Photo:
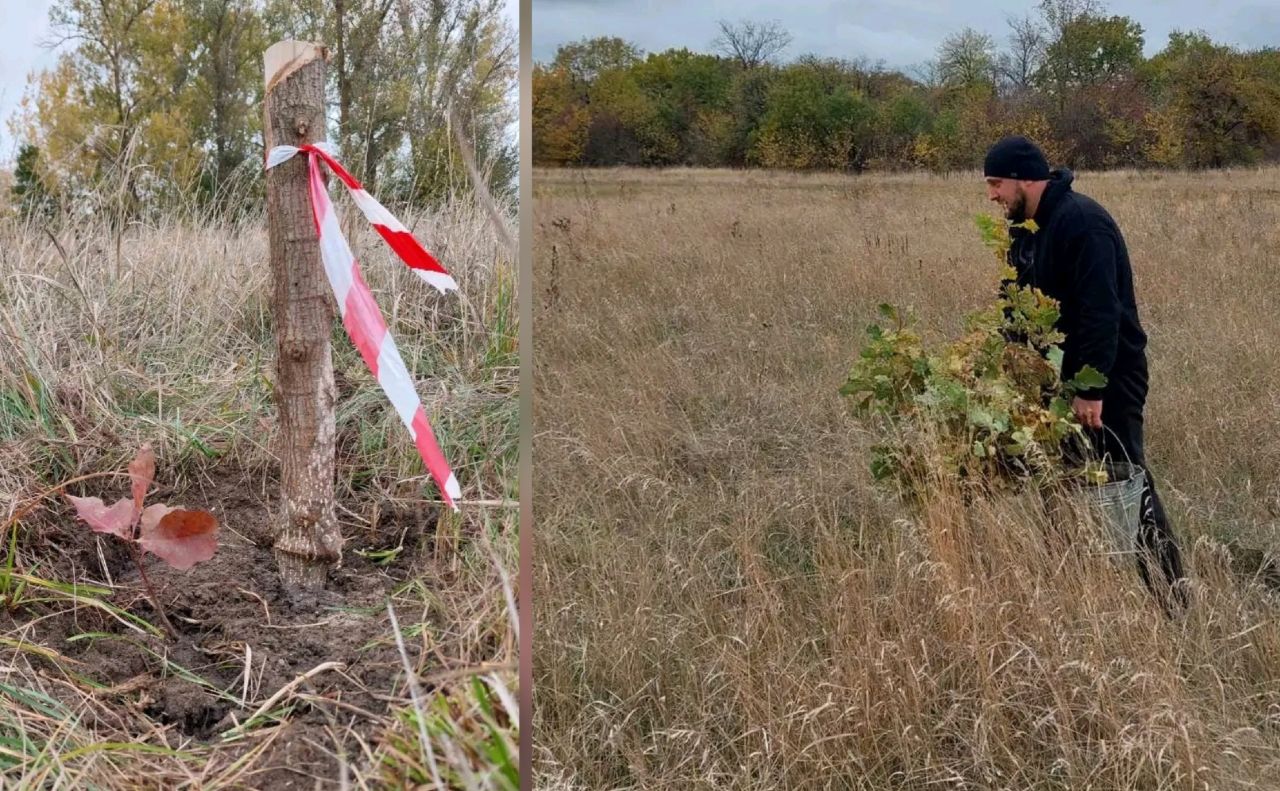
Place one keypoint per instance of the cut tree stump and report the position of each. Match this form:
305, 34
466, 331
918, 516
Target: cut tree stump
308, 541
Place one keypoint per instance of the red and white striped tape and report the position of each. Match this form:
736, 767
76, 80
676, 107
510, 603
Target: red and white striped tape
360, 314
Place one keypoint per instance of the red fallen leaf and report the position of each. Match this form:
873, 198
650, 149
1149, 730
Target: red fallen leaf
141, 472
151, 516
101, 518
181, 538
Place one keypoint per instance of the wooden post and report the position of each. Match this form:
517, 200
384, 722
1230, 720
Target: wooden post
308, 541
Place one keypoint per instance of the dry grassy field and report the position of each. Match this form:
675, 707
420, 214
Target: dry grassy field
723, 599
161, 332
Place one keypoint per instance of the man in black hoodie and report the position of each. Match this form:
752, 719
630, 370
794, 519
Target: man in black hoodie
1078, 257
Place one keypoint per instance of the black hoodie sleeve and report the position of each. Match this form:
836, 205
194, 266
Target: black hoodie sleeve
1097, 332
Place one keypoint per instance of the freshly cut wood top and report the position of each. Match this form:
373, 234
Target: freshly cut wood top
284, 57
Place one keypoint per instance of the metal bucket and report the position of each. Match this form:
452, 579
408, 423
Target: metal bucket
1119, 502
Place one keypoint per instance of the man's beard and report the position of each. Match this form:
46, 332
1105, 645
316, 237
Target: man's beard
1016, 209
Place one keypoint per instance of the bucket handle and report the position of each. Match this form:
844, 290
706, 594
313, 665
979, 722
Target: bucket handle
1123, 449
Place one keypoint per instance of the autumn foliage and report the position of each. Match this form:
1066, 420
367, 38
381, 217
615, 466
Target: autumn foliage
1074, 78
179, 537
990, 408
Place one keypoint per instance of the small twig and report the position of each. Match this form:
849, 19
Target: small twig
132, 685
290, 687
248, 673
155, 599
429, 501
316, 699
468, 672
325, 622
266, 610
102, 559
439, 677
482, 191
61, 251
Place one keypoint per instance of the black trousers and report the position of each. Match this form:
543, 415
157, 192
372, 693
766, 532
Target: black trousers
1159, 558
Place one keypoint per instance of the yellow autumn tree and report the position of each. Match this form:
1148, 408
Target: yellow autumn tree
559, 118
113, 117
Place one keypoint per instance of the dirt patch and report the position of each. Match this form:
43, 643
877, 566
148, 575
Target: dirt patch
188, 706
242, 636
302, 757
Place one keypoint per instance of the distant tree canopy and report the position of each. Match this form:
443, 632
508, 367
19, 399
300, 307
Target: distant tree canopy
1070, 75
159, 102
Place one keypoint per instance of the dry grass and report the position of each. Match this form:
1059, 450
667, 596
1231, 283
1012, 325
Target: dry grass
724, 600
162, 333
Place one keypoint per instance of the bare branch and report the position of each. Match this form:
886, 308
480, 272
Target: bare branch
966, 58
751, 44
1028, 41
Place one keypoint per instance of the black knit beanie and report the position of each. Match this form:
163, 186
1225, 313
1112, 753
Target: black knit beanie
1016, 158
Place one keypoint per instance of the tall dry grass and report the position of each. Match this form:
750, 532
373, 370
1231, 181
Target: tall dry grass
163, 332
723, 598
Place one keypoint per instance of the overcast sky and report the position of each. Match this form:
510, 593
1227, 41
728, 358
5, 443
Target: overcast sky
23, 25
902, 33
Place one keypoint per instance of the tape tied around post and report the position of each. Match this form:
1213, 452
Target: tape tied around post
360, 314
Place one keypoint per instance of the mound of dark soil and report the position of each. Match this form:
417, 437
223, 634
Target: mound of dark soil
242, 636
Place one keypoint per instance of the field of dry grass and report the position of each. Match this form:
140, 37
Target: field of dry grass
162, 333
723, 599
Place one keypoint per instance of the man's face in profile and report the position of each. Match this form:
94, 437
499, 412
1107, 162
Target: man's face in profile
1011, 196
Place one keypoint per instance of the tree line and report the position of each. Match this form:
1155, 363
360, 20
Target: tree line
154, 103
1068, 74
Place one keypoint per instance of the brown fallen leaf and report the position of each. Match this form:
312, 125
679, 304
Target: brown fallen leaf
182, 538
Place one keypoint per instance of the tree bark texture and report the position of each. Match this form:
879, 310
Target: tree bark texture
308, 542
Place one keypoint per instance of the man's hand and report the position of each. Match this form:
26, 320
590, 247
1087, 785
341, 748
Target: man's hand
1089, 413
